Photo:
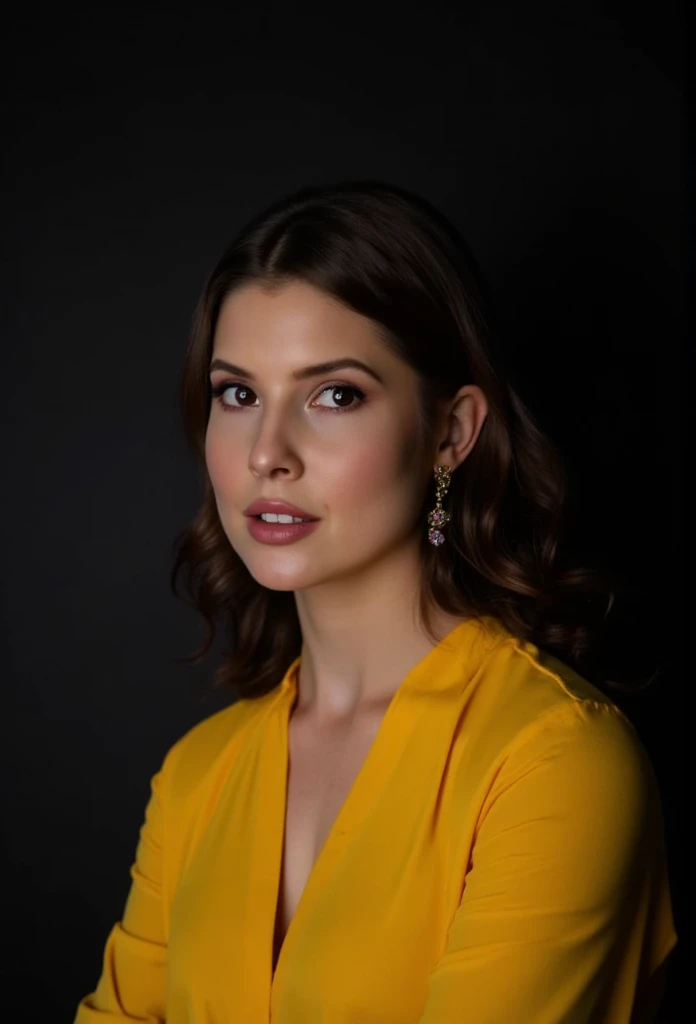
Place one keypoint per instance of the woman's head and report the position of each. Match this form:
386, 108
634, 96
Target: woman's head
366, 271
346, 445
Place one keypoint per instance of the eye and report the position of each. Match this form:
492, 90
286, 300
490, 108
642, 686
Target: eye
222, 393
344, 391
346, 396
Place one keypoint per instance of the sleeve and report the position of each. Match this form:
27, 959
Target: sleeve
566, 902
132, 982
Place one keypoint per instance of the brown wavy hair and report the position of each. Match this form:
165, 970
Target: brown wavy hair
392, 257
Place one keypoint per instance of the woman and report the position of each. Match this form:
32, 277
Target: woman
415, 811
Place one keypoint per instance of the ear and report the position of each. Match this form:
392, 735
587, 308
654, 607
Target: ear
463, 418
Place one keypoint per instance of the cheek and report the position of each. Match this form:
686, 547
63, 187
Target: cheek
220, 460
371, 474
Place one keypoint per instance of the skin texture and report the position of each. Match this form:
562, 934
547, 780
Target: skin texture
356, 466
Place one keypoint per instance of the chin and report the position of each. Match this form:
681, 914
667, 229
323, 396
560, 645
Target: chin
279, 572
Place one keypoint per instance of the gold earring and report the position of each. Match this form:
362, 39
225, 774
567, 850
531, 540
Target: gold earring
438, 516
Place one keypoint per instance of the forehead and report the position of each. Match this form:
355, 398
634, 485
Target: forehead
292, 312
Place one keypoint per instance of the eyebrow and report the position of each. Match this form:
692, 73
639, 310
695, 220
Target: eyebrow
308, 371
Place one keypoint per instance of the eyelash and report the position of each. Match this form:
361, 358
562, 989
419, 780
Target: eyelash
218, 391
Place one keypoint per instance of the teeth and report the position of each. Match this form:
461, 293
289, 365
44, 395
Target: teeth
271, 517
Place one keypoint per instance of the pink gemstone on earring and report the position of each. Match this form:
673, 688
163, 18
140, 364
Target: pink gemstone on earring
438, 517
435, 537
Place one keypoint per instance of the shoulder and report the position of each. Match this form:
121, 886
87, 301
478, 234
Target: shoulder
197, 754
534, 674
527, 686
550, 730
531, 706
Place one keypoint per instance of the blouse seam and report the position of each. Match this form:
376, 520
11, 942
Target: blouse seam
559, 712
556, 676
576, 698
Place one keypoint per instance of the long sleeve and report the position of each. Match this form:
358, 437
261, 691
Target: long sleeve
132, 982
564, 878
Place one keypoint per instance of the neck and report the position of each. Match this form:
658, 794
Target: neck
360, 639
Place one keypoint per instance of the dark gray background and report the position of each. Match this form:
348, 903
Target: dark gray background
140, 140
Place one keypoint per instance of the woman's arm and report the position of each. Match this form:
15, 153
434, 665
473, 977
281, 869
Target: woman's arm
132, 982
566, 901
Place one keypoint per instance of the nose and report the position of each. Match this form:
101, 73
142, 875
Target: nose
273, 452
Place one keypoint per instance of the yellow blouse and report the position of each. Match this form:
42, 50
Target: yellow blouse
499, 859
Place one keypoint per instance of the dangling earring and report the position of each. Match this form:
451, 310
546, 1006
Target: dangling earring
438, 516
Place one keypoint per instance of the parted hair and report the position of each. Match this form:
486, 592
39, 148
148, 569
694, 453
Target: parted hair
391, 256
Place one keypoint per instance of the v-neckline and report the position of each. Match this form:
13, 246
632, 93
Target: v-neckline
372, 771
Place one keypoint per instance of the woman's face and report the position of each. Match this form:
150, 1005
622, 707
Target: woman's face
339, 444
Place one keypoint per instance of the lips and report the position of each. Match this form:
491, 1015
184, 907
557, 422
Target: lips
283, 508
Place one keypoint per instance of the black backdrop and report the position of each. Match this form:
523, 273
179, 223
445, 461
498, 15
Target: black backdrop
140, 140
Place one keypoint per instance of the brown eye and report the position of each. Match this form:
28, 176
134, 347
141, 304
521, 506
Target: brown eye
231, 395
344, 396
224, 393
242, 394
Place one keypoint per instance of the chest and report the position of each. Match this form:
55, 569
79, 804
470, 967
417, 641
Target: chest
321, 772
